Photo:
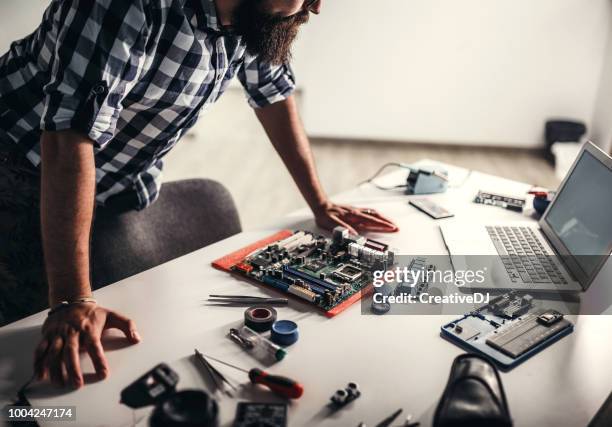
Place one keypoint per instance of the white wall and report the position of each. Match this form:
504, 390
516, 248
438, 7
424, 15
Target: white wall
602, 118
19, 18
470, 71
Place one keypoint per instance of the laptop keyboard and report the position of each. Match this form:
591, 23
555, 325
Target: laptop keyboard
524, 256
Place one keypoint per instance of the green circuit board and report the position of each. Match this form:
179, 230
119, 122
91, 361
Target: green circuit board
325, 272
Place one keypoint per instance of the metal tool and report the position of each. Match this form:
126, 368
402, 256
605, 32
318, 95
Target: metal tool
235, 336
234, 300
259, 346
389, 420
408, 422
218, 378
283, 386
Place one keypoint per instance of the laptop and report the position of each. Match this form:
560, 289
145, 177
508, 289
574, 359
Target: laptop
563, 252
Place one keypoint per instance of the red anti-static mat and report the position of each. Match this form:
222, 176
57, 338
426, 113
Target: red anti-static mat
228, 261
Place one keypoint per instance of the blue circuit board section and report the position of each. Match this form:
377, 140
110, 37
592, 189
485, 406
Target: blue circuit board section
509, 330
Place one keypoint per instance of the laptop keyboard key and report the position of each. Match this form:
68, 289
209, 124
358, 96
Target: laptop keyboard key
523, 255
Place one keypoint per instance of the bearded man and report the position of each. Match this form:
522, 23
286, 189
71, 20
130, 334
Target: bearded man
91, 102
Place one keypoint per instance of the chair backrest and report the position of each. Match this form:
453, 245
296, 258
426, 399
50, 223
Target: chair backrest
187, 216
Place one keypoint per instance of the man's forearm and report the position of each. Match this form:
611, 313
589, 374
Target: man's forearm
284, 128
67, 203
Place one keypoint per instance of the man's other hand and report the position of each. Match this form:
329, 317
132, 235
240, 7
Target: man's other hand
71, 329
355, 219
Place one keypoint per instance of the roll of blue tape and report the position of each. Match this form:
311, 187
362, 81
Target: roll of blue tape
284, 332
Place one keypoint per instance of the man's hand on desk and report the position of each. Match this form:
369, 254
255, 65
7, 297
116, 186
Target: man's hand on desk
355, 219
284, 127
75, 328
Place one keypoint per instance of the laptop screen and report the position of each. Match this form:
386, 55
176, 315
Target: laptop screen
581, 215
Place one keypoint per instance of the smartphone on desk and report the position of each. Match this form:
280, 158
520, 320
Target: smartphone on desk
430, 208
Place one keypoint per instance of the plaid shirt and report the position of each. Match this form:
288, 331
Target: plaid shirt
133, 76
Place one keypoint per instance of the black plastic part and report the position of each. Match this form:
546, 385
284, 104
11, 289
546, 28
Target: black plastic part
380, 308
604, 415
345, 396
187, 408
250, 414
155, 385
564, 131
474, 396
550, 318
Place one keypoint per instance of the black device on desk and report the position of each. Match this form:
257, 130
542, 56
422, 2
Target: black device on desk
155, 385
172, 408
251, 414
499, 200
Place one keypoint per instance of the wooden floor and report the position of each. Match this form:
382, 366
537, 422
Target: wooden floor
229, 146
359, 160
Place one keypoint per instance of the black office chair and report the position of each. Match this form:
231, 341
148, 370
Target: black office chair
187, 216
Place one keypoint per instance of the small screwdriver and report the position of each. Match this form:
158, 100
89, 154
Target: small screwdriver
283, 386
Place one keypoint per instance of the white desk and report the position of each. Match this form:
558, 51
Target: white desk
399, 361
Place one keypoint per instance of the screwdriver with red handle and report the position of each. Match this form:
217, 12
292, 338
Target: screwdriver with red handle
283, 386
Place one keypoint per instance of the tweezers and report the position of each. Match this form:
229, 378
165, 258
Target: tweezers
217, 377
229, 300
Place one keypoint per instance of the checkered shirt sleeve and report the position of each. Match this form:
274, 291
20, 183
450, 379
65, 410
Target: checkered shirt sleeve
265, 84
96, 50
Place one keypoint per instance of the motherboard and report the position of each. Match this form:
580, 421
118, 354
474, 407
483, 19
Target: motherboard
328, 273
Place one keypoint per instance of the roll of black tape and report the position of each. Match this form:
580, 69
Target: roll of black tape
260, 317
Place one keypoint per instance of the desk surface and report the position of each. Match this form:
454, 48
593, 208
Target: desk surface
399, 361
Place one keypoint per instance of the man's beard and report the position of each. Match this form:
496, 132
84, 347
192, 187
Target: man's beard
267, 36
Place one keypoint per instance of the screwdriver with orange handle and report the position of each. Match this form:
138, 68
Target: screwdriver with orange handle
283, 386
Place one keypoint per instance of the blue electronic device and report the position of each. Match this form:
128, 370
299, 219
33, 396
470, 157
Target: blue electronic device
508, 330
426, 180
